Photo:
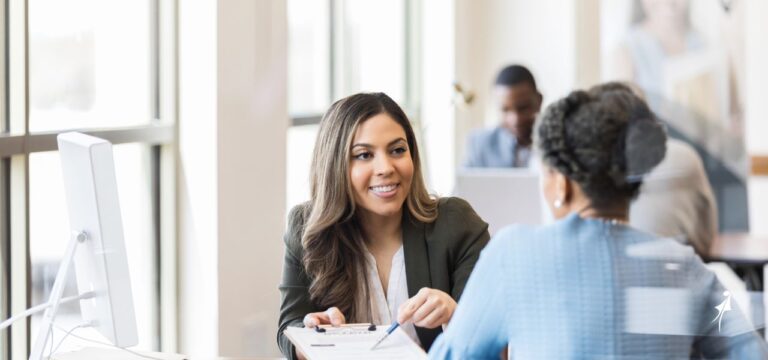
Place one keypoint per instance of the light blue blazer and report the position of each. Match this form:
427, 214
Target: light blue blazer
490, 148
590, 289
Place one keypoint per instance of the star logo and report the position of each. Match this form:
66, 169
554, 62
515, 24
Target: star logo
724, 307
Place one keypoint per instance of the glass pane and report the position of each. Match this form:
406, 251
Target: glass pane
301, 142
90, 64
373, 47
308, 56
49, 234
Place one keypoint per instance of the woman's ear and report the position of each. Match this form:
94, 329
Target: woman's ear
559, 193
563, 189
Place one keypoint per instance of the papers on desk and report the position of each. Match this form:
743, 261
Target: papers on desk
353, 342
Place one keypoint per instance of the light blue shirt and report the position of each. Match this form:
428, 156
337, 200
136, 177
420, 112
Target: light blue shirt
588, 289
495, 148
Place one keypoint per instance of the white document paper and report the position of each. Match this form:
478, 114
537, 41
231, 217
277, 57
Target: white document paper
354, 342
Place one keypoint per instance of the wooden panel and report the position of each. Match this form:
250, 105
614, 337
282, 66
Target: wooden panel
760, 165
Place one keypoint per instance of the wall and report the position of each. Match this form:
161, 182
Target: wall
197, 180
232, 136
491, 34
756, 107
253, 122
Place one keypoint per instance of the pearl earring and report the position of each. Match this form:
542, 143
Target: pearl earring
558, 203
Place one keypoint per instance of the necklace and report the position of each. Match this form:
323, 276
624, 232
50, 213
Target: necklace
613, 221
606, 218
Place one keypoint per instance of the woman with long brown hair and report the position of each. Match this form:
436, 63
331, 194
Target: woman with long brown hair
372, 245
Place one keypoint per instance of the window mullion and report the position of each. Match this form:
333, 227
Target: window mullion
332, 31
166, 170
18, 74
18, 124
19, 251
5, 258
3, 75
4, 235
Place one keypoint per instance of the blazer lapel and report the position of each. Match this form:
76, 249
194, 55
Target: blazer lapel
415, 254
417, 272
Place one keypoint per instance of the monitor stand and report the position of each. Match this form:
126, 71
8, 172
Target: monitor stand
56, 293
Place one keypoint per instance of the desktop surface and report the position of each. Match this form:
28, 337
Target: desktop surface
94, 353
741, 248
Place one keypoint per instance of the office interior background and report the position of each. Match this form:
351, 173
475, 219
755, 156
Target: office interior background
213, 106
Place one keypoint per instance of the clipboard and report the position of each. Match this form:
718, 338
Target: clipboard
353, 341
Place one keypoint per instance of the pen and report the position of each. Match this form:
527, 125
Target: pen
389, 331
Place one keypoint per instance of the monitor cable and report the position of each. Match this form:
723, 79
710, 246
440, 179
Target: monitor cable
70, 332
41, 307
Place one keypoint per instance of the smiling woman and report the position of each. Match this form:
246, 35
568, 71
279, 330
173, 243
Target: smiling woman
372, 245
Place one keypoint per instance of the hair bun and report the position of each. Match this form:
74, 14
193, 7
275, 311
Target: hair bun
645, 147
553, 137
573, 101
606, 140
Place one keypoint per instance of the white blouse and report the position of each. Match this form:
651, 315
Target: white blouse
384, 307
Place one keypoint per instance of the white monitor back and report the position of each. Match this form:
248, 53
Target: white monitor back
503, 196
101, 263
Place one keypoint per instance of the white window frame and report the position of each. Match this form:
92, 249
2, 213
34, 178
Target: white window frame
412, 58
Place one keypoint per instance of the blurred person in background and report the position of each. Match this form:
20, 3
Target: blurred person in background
509, 143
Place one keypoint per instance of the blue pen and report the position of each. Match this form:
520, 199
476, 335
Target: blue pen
389, 331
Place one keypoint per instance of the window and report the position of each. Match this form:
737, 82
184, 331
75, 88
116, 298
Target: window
372, 48
338, 48
309, 60
104, 68
89, 64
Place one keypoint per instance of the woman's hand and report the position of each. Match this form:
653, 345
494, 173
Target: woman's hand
332, 316
430, 308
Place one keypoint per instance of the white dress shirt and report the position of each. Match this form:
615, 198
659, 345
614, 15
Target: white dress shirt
384, 306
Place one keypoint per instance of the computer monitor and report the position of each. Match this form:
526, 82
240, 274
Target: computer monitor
503, 196
97, 246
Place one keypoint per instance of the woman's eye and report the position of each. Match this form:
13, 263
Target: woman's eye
363, 156
399, 151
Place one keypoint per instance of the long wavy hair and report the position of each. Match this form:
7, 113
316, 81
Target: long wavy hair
333, 240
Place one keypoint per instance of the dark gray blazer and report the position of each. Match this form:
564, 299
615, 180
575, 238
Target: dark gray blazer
439, 255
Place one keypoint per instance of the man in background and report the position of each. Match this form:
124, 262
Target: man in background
508, 144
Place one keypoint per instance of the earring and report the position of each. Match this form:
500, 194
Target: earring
558, 203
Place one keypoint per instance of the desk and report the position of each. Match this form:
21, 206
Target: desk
241, 358
745, 253
98, 353
740, 248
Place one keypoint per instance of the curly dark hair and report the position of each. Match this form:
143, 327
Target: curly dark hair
605, 139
